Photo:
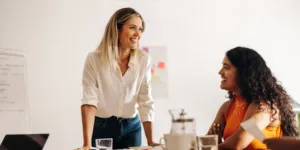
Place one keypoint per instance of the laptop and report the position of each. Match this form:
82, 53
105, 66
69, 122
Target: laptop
24, 141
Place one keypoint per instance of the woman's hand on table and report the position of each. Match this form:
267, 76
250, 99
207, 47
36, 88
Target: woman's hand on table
153, 144
84, 148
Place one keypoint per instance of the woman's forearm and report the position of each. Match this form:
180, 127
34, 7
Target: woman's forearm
148, 131
240, 139
88, 113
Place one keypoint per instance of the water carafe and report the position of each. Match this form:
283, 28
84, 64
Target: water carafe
181, 124
183, 132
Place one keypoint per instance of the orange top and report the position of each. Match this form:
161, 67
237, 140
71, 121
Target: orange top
235, 114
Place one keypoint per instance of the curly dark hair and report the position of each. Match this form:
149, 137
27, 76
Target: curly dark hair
256, 81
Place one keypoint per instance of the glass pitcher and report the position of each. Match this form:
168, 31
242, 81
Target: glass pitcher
181, 124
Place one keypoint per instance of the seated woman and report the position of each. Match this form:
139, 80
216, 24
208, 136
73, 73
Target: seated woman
254, 93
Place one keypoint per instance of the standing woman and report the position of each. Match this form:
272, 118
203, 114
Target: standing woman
116, 85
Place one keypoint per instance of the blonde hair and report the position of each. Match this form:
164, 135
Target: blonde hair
108, 47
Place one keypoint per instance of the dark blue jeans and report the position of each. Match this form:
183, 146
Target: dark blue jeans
125, 132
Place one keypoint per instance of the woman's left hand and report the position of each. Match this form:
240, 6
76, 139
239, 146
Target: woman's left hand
286, 143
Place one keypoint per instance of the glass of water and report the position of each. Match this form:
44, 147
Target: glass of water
208, 142
104, 144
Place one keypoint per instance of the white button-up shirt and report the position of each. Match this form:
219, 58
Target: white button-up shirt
117, 95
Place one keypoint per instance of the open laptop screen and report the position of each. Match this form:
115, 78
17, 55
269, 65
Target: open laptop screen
24, 141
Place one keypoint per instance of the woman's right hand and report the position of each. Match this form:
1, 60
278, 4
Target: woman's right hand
216, 129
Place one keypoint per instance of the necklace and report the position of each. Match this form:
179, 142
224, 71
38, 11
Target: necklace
241, 104
239, 108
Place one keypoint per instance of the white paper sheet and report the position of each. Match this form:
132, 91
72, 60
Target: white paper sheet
13, 91
251, 127
14, 103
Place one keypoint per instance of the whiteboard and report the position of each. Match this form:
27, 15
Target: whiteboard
14, 105
159, 70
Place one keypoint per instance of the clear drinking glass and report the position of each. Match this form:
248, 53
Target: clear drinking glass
104, 144
208, 142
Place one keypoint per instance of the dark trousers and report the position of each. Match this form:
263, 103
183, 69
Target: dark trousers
125, 132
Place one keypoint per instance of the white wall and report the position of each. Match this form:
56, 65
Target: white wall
57, 35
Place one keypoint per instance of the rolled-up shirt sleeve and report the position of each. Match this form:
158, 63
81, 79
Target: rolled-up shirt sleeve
89, 83
145, 100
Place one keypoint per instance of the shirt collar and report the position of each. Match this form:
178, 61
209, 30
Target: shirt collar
133, 58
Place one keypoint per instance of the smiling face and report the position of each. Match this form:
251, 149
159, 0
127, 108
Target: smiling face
228, 74
130, 33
